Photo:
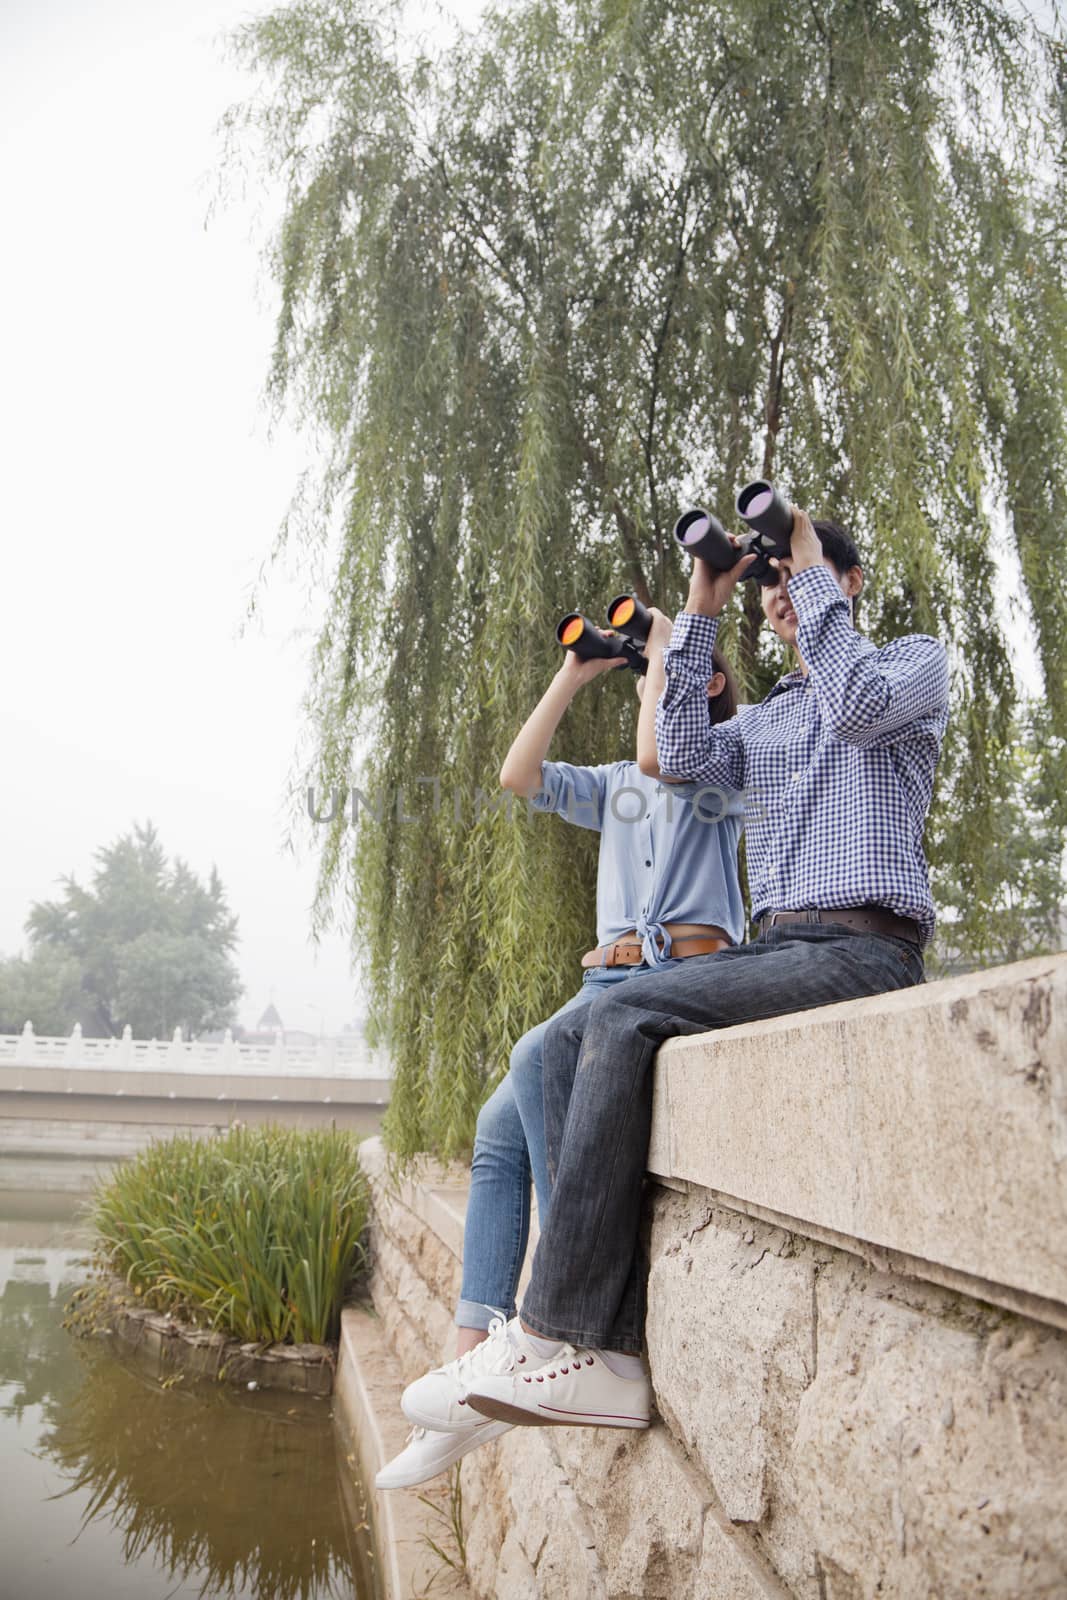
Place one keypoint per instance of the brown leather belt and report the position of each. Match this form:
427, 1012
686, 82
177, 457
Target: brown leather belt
627, 952
861, 919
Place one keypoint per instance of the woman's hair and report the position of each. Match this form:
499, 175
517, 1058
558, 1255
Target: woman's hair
723, 706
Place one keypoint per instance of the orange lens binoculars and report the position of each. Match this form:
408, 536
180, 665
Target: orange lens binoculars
631, 622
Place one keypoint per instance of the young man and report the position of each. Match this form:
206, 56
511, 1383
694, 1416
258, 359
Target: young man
667, 891
840, 760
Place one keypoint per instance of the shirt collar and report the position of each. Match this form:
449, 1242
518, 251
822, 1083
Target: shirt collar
792, 680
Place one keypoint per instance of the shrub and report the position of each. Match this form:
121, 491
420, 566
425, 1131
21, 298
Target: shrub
257, 1233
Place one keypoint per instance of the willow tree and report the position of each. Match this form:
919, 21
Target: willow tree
544, 288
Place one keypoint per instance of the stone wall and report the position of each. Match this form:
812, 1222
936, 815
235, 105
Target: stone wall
840, 1415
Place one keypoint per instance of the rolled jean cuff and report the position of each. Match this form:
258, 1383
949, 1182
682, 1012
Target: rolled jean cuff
472, 1314
584, 1338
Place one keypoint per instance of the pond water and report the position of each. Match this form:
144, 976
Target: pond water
116, 1488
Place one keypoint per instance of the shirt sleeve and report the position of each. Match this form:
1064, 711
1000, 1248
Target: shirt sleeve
577, 794
866, 695
687, 744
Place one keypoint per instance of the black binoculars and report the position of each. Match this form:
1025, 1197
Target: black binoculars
769, 518
631, 621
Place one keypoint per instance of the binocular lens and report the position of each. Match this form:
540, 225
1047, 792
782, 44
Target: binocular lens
759, 502
571, 631
620, 614
695, 531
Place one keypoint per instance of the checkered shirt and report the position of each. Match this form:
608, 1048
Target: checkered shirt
837, 766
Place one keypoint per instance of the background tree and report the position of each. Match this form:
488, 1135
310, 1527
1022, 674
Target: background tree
1022, 855
147, 945
44, 988
602, 258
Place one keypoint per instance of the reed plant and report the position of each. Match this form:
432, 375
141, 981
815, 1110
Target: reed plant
257, 1233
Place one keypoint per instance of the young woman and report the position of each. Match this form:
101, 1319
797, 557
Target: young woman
667, 888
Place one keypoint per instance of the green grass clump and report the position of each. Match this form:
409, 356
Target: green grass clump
257, 1233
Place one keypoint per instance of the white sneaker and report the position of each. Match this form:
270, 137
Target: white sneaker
439, 1400
426, 1454
574, 1389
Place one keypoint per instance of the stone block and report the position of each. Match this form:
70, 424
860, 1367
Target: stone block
931, 1449
410, 1291
729, 1335
515, 1574
654, 1532
486, 1518
517, 1489
434, 1262
931, 1121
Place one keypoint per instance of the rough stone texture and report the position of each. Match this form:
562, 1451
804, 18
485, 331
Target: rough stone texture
435, 1264
931, 1450
661, 1526
857, 1419
427, 1316
526, 1524
515, 1574
932, 1120
725, 1380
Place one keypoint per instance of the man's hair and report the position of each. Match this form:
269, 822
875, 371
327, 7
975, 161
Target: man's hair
723, 706
839, 545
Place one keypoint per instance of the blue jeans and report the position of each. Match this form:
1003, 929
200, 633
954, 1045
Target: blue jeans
508, 1146
588, 1283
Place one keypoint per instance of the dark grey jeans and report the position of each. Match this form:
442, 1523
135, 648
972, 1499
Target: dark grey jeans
588, 1283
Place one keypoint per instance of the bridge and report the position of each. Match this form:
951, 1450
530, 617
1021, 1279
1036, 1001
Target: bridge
106, 1098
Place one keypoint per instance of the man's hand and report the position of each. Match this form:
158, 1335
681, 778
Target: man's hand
804, 547
710, 591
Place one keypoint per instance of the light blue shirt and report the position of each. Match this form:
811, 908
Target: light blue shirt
668, 852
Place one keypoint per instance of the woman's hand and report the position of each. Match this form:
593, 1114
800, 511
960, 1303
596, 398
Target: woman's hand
659, 634
575, 672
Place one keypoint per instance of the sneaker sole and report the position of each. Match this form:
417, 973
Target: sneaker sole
411, 1480
501, 1411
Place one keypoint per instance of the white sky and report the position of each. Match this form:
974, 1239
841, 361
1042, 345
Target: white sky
141, 492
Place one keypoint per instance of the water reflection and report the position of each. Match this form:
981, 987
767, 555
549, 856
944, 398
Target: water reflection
118, 1489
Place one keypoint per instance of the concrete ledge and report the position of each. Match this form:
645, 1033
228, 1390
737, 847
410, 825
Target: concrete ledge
41, 1123
931, 1122
161, 1084
366, 1407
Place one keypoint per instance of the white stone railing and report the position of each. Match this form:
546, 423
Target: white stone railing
327, 1058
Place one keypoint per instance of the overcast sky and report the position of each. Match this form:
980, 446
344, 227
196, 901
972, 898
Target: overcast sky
140, 489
